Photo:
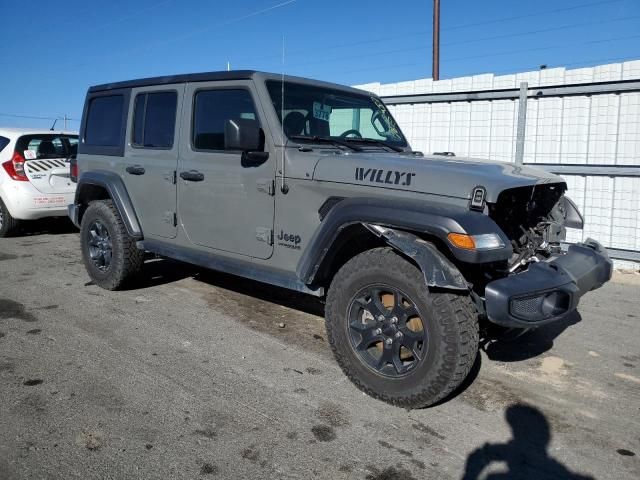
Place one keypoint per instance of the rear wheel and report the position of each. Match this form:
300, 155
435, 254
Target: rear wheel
8, 224
110, 255
393, 338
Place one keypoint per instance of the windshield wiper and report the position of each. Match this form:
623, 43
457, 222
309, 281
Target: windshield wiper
375, 141
330, 140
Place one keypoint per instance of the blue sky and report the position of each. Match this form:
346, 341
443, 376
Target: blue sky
50, 52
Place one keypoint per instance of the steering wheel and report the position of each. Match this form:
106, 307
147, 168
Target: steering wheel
354, 132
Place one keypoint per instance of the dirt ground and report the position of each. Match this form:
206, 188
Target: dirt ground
190, 375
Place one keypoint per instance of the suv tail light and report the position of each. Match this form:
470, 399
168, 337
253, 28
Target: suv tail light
15, 167
73, 169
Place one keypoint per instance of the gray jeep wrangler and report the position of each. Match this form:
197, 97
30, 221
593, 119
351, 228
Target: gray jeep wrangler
312, 187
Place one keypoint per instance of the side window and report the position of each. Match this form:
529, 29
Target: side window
212, 108
4, 141
154, 119
104, 121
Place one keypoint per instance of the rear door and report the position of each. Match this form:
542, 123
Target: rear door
47, 161
151, 154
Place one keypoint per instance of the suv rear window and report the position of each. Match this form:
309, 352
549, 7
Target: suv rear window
104, 121
43, 145
154, 119
4, 141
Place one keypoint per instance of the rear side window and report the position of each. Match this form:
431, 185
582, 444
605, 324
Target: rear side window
4, 141
154, 120
104, 121
212, 109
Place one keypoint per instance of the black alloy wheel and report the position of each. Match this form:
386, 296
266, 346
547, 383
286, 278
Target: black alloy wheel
386, 330
100, 246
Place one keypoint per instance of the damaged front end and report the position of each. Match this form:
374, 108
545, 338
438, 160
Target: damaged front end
542, 283
534, 218
537, 282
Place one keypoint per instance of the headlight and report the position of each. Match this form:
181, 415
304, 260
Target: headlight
486, 241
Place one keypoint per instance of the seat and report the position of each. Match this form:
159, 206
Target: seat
294, 123
46, 148
319, 127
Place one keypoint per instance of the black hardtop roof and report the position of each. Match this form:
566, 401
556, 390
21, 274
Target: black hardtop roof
167, 79
213, 76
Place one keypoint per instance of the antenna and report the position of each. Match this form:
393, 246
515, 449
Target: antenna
283, 188
54, 125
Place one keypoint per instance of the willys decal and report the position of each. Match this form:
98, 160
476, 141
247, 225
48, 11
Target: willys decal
376, 175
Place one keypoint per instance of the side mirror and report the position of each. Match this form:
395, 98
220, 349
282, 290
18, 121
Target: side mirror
243, 134
246, 135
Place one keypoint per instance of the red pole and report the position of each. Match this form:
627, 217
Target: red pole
436, 40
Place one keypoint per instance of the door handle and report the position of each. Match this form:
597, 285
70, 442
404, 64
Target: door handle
135, 170
192, 176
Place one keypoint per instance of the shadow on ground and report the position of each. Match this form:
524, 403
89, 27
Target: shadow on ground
517, 345
45, 226
160, 271
525, 456
292, 317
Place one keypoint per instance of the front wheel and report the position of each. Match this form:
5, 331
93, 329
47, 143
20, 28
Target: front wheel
392, 337
110, 255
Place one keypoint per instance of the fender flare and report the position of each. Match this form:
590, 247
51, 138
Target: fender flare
422, 216
437, 269
117, 191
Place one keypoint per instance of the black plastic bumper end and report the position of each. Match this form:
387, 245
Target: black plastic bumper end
548, 291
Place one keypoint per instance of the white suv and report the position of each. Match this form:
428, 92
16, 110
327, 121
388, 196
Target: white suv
34, 175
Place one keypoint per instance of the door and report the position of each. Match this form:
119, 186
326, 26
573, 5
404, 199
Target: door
222, 204
151, 156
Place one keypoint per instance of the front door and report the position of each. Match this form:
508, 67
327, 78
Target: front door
151, 156
223, 204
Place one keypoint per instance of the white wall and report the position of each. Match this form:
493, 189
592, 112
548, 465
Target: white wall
598, 129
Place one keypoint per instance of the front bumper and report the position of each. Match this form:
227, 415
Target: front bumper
549, 290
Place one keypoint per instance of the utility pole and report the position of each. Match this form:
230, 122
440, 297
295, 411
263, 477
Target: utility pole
436, 40
65, 122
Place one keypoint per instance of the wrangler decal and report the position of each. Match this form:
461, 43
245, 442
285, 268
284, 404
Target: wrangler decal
391, 177
289, 240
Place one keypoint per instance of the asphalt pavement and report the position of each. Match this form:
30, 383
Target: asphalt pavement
196, 374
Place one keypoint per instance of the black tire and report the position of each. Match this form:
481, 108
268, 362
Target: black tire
126, 259
449, 331
8, 224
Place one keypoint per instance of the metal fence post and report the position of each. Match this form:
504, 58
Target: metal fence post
522, 122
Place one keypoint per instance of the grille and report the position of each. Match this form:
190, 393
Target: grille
39, 166
529, 308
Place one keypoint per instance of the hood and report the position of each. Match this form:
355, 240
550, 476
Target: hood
438, 175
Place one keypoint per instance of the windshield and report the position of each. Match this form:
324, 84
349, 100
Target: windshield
312, 111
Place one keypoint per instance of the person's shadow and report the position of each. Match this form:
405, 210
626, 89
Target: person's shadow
525, 455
